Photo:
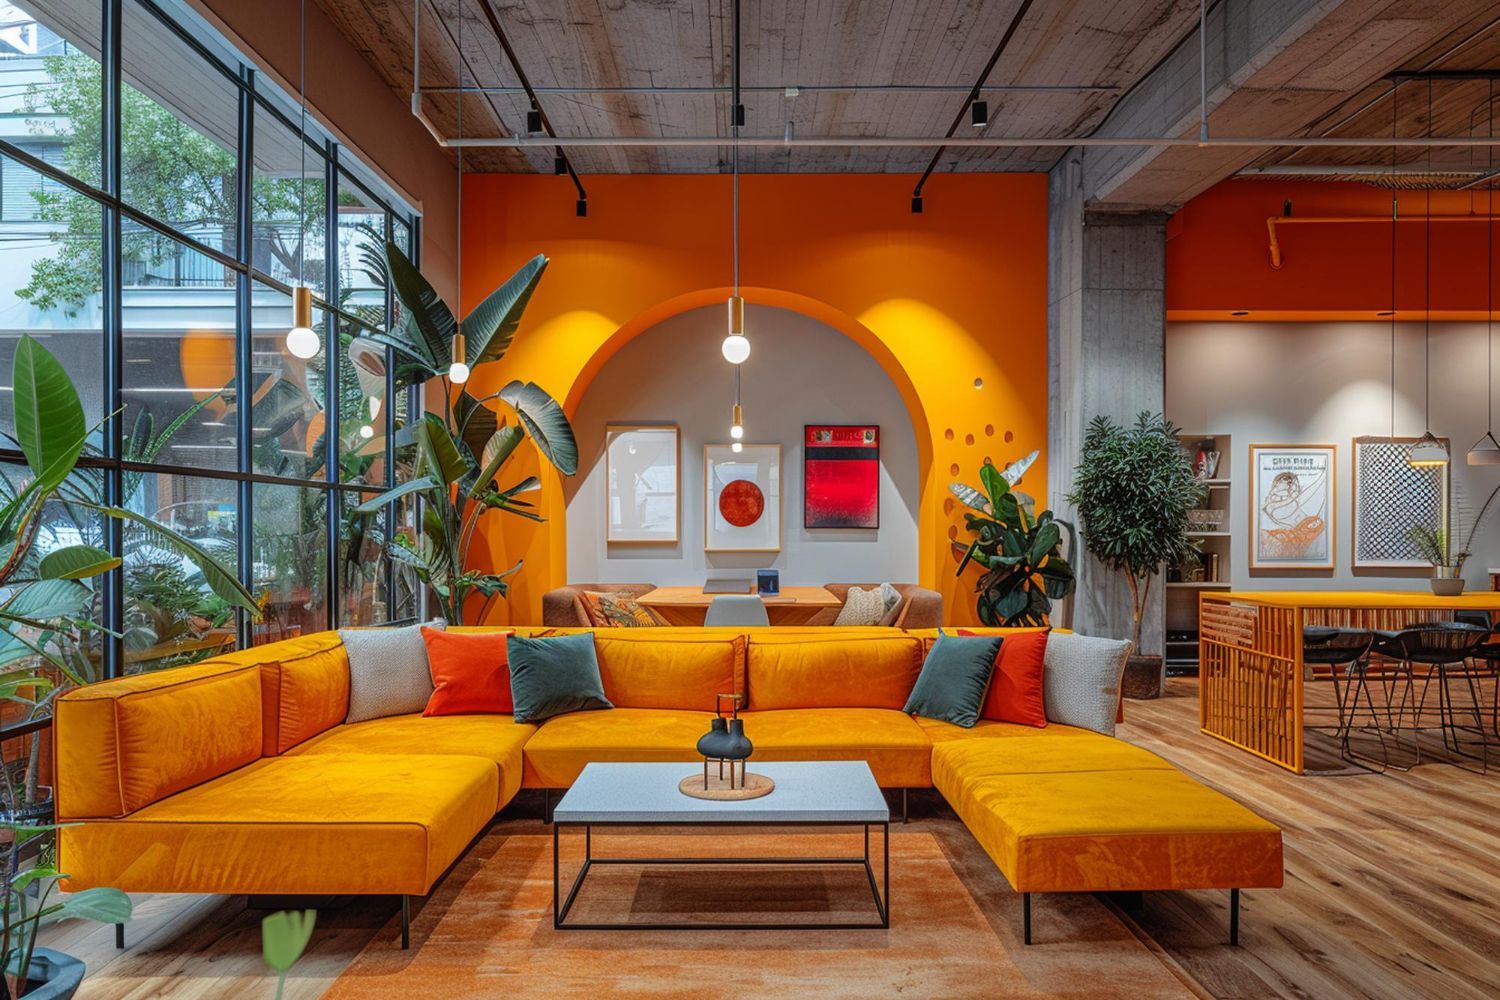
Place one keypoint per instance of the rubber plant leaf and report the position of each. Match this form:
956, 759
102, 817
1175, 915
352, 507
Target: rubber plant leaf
49, 420
489, 329
995, 485
428, 325
546, 423
76, 562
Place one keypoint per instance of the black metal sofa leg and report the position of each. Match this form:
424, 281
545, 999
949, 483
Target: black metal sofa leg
1026, 917
120, 936
1234, 918
405, 923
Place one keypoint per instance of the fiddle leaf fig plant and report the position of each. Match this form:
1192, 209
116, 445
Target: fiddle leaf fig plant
1020, 550
462, 450
1133, 489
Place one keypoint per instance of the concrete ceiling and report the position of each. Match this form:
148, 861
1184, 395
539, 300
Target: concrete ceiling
1276, 67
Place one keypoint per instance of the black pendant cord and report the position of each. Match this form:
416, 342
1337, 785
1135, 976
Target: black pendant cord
302, 149
458, 321
1427, 294
1489, 312
1395, 214
735, 118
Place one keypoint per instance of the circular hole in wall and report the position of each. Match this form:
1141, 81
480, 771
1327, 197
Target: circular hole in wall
953, 469
952, 531
948, 506
989, 430
988, 460
968, 439
1010, 436
979, 383
948, 434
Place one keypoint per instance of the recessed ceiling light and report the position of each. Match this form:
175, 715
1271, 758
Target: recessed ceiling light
1240, 312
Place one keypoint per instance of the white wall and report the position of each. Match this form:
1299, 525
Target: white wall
1327, 383
800, 372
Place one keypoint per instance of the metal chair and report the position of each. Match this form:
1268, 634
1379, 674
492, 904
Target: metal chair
736, 609
1348, 649
1445, 648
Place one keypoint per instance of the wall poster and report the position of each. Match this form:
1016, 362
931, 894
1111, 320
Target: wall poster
1292, 506
840, 476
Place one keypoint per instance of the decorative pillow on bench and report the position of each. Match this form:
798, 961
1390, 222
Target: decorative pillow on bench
954, 679
1082, 680
554, 676
606, 610
1017, 690
470, 672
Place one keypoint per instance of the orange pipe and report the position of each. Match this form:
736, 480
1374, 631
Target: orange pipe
1284, 220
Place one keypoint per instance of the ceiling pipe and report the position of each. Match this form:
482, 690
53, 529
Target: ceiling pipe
1343, 220
975, 142
510, 53
963, 111
817, 88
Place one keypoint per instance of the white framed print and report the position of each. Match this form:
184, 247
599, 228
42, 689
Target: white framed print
1392, 496
742, 498
1292, 491
643, 485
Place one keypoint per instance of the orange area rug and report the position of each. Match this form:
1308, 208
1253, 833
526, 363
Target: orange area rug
955, 926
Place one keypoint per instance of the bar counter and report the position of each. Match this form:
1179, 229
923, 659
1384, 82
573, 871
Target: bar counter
1251, 675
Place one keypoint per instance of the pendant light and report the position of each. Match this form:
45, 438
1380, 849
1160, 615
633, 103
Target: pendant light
736, 346
1428, 452
1486, 450
302, 340
458, 368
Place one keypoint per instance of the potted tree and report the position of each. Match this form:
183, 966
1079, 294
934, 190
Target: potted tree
1133, 489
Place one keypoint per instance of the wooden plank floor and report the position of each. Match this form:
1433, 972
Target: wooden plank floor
1392, 890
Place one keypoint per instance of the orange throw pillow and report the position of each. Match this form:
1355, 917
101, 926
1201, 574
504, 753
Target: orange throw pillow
1015, 693
470, 673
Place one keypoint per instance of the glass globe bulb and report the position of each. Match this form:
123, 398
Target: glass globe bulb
736, 447
302, 342
458, 372
736, 432
736, 348
366, 432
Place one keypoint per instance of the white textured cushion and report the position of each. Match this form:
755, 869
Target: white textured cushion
862, 607
1081, 680
388, 672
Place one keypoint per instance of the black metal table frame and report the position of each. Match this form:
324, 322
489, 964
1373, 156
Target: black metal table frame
561, 906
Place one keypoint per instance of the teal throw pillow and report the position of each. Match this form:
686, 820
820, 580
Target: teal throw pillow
554, 676
954, 679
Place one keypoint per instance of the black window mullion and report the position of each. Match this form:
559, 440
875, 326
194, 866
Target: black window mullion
388, 407
331, 376
244, 518
113, 585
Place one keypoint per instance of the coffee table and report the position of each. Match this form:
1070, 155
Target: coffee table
807, 793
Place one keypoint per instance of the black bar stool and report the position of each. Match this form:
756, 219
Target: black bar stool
1347, 650
1445, 648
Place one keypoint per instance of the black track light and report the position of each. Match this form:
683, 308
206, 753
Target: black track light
916, 205
979, 114
737, 116
559, 165
582, 208
533, 120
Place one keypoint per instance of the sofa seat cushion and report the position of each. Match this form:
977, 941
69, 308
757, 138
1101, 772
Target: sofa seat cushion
957, 761
309, 823
895, 747
1105, 827
498, 738
565, 743
939, 731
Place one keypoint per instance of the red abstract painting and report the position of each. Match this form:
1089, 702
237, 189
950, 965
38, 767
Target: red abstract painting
841, 476
742, 503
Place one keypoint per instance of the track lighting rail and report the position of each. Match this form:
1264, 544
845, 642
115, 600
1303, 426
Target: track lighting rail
978, 142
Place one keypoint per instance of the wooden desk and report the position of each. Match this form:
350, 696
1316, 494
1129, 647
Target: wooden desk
1251, 676
689, 605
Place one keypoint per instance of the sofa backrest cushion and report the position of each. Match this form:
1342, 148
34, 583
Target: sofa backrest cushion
388, 671
124, 744
652, 669
853, 670
303, 692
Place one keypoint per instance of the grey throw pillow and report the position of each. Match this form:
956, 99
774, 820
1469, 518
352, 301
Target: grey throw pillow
388, 672
862, 607
553, 676
892, 599
1081, 680
954, 679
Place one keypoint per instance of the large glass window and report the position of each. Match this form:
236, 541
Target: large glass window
222, 436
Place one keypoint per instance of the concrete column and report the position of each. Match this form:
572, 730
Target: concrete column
1106, 329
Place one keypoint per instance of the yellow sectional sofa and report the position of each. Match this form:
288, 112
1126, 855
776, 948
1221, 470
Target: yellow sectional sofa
239, 775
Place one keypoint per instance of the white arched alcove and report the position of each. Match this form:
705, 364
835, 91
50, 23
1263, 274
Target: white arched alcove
800, 372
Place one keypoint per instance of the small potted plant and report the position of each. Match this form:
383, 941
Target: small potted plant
1449, 547
1133, 489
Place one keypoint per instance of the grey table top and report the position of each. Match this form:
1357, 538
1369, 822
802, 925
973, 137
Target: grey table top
832, 791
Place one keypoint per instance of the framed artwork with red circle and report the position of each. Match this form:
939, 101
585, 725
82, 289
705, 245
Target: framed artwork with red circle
742, 498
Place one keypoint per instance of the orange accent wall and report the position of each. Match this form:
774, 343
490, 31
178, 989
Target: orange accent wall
939, 300
1218, 258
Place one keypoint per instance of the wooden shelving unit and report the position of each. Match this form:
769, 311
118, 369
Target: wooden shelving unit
1181, 639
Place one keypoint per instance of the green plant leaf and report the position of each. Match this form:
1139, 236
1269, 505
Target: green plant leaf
489, 329
76, 562
49, 418
220, 580
107, 906
284, 936
440, 450
995, 485
1015, 470
970, 496
1044, 541
496, 451
428, 324
411, 486
50, 599
546, 423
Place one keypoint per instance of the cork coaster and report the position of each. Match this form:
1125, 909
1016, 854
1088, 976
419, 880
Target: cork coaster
718, 790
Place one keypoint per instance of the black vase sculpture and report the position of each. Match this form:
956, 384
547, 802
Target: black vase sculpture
726, 743
714, 743
738, 746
